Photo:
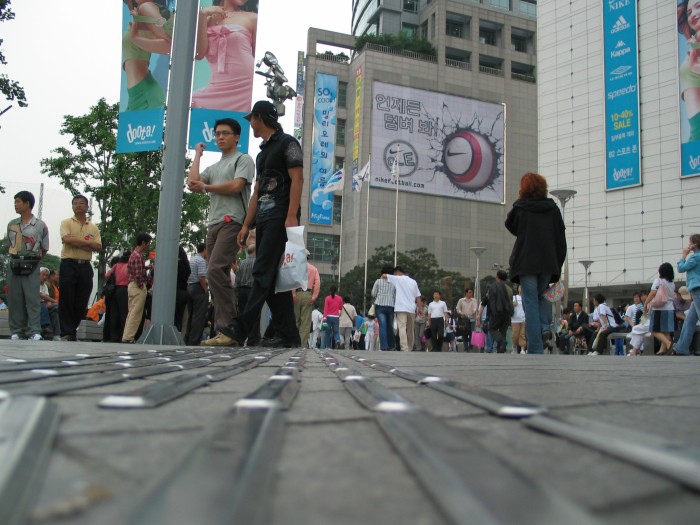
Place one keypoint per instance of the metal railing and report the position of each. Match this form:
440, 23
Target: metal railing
491, 71
461, 64
333, 58
524, 78
399, 52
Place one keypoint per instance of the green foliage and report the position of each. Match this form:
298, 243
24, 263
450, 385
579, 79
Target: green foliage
402, 41
420, 264
9, 88
125, 188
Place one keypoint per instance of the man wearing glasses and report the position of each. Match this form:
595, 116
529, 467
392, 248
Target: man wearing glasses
228, 183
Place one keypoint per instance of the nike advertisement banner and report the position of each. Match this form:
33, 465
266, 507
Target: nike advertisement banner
444, 145
623, 167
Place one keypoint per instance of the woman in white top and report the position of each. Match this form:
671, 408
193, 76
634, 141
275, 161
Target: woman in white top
661, 319
517, 321
437, 311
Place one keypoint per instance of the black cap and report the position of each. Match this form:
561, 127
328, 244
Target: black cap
263, 107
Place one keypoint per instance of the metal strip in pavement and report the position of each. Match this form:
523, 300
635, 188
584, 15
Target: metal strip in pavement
469, 484
28, 426
157, 394
225, 478
493, 402
671, 460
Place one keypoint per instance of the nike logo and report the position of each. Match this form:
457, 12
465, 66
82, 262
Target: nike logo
453, 153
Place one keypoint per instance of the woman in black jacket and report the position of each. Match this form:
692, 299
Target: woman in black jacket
538, 255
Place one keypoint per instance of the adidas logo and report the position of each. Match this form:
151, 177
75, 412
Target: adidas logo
620, 25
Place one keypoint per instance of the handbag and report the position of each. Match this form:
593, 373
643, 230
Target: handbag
372, 311
661, 297
478, 339
293, 269
555, 292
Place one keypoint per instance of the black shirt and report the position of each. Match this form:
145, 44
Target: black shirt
280, 153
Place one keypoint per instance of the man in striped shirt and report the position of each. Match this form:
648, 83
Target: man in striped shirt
198, 295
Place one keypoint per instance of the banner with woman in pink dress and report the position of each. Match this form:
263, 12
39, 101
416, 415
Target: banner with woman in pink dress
223, 74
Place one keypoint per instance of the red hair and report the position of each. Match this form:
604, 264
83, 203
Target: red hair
533, 186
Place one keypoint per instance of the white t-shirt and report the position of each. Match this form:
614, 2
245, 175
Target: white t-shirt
604, 310
406, 293
671, 288
437, 309
518, 312
316, 319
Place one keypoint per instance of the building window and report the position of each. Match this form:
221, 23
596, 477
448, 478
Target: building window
457, 25
337, 209
487, 36
424, 30
340, 132
491, 65
432, 25
323, 247
524, 72
410, 30
339, 162
500, 4
342, 94
410, 6
518, 43
528, 7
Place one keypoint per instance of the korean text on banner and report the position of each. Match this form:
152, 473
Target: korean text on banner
323, 157
146, 40
224, 71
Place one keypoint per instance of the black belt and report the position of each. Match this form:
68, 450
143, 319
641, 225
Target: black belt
301, 290
77, 261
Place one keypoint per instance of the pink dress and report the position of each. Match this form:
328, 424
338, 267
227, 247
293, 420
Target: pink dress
230, 57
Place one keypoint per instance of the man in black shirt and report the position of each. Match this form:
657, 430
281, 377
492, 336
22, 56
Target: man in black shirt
274, 206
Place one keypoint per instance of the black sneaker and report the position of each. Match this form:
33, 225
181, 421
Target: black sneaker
546, 336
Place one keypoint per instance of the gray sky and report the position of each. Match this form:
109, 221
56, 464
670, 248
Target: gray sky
67, 56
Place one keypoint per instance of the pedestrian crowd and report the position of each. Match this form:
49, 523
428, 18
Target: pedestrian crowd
220, 300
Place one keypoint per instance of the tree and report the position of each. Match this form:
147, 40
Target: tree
403, 41
9, 88
125, 187
420, 264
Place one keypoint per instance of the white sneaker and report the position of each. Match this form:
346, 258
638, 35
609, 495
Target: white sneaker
36, 337
56, 338
523, 352
594, 352
14, 337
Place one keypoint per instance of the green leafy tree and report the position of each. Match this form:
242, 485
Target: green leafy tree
420, 264
125, 188
11, 89
402, 41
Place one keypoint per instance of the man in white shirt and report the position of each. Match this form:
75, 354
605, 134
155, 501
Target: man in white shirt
316, 322
407, 298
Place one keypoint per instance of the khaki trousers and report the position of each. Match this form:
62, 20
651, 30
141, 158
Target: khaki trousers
137, 300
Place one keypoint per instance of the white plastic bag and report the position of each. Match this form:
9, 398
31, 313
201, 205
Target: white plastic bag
292, 273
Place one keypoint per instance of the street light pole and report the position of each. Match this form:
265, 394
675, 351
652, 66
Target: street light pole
586, 265
478, 250
564, 196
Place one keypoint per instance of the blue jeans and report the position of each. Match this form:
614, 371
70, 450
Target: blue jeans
538, 311
688, 330
332, 332
385, 315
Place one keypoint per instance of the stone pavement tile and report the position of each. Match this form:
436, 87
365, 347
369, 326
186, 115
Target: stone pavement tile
320, 384
325, 407
676, 507
435, 402
82, 416
587, 477
346, 474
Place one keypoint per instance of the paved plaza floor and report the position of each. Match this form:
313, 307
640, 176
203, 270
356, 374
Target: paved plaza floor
185, 435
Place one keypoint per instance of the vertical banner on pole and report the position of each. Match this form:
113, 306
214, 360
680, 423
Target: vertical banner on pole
323, 148
689, 86
623, 158
223, 74
358, 118
299, 103
147, 30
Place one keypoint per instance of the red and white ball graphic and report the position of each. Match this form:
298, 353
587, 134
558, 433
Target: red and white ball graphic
469, 160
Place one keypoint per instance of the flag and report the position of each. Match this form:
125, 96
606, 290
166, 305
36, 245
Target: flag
359, 178
335, 182
395, 166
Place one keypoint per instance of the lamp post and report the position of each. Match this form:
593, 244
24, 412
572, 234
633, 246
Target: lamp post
478, 250
586, 265
564, 196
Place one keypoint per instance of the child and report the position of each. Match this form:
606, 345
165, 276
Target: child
370, 326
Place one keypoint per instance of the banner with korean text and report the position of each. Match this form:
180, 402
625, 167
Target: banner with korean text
222, 86
444, 145
622, 155
299, 102
689, 88
147, 30
323, 148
